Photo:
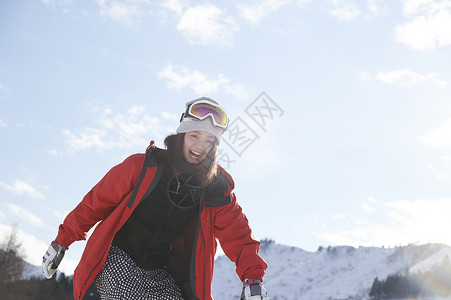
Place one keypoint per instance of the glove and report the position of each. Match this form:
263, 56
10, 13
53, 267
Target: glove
253, 289
52, 258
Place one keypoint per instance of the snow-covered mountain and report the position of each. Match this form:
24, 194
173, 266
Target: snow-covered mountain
332, 273
32, 271
35, 271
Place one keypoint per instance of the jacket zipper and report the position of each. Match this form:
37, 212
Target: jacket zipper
194, 252
111, 240
205, 251
92, 270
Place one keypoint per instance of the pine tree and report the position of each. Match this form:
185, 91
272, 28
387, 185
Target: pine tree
11, 263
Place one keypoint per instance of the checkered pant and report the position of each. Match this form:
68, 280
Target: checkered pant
121, 278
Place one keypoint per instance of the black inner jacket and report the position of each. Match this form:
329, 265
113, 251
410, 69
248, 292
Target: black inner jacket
160, 218
141, 235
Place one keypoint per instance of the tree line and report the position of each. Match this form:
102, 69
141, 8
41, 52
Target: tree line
14, 284
435, 282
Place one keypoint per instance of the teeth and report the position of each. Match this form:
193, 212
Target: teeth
196, 154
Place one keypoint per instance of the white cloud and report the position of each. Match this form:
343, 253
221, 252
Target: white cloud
421, 221
170, 116
178, 78
344, 237
372, 200
120, 130
89, 138
32, 248
376, 8
409, 78
428, 25
207, 24
3, 124
20, 187
339, 216
3, 89
440, 176
126, 13
3, 92
439, 137
136, 109
55, 152
253, 13
202, 24
367, 208
176, 6
238, 90
345, 11
25, 215
411, 7
363, 76
253, 158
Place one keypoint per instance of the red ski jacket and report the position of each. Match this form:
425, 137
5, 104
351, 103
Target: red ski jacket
113, 199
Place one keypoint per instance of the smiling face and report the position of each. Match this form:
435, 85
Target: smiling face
196, 145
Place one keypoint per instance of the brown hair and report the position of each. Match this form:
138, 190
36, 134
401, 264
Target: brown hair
207, 167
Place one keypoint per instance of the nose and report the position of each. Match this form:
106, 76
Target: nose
202, 145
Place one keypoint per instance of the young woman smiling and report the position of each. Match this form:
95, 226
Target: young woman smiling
160, 215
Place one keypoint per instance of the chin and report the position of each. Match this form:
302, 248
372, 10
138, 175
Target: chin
192, 160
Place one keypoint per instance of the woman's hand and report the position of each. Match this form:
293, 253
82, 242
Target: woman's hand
253, 289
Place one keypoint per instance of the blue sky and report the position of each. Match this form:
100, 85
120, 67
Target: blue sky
355, 148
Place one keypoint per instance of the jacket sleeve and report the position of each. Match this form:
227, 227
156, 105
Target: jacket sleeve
101, 200
236, 238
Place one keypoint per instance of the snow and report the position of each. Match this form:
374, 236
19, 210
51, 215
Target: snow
32, 271
35, 271
332, 273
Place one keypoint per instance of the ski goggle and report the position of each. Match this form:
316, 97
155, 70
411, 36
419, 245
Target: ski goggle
202, 109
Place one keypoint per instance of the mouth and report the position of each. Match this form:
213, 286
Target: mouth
195, 154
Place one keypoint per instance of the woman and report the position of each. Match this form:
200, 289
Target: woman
160, 214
